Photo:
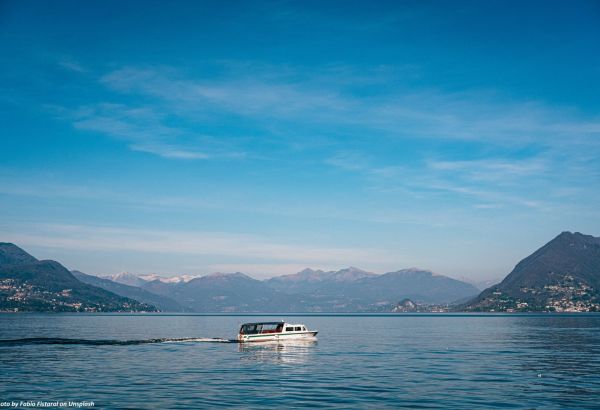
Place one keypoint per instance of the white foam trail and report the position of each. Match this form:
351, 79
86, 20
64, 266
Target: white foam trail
199, 339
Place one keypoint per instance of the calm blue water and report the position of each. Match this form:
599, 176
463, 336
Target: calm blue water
418, 361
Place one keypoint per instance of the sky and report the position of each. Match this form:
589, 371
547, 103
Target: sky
269, 136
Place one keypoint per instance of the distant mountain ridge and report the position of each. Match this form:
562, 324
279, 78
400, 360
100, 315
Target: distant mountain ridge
317, 281
125, 278
133, 292
361, 288
347, 274
345, 290
131, 279
563, 275
234, 292
27, 284
418, 285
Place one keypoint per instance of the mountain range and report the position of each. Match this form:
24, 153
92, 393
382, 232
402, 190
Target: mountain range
563, 275
127, 278
28, 284
345, 290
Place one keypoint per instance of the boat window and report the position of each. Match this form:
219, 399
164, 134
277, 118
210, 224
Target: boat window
289, 329
272, 328
250, 329
298, 328
303, 327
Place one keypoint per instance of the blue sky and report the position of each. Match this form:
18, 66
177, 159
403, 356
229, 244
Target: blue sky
264, 137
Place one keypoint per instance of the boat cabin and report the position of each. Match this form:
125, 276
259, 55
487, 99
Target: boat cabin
270, 327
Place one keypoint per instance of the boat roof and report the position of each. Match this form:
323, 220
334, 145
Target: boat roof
264, 323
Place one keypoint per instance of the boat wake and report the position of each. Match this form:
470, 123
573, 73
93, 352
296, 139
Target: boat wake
107, 342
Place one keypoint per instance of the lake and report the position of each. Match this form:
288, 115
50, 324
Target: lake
360, 361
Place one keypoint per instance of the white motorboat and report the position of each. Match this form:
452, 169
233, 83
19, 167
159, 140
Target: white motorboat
274, 331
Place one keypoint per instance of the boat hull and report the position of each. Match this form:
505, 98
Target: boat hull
276, 337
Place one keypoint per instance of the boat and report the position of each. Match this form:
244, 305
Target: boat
274, 332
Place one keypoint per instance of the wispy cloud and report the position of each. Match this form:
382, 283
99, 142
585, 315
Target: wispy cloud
395, 110
168, 151
494, 169
71, 65
253, 94
517, 167
82, 195
142, 128
251, 249
282, 105
349, 161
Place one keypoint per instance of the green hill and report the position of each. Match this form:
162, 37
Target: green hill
27, 284
563, 275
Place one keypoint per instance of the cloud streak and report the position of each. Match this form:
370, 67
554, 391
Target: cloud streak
252, 249
142, 128
239, 108
397, 109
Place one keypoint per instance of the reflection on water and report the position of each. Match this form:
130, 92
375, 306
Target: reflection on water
280, 352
